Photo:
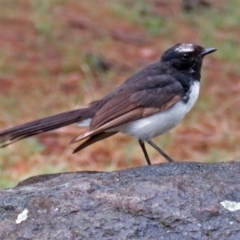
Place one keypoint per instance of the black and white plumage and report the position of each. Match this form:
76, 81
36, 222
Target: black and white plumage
146, 105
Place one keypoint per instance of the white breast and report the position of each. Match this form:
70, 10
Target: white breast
157, 124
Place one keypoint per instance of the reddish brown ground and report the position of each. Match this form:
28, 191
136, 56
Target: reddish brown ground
45, 68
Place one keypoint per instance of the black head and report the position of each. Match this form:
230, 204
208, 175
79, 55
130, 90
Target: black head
186, 57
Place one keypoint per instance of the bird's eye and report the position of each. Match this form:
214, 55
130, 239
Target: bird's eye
185, 57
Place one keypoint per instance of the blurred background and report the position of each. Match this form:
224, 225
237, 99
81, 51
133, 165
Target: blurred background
58, 55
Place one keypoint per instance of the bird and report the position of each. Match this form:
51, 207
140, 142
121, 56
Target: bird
146, 105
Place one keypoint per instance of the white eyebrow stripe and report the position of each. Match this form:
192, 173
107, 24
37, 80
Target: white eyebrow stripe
188, 47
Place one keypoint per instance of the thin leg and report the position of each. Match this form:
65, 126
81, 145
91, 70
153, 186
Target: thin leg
142, 145
160, 151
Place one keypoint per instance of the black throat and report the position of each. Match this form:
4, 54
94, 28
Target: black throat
186, 81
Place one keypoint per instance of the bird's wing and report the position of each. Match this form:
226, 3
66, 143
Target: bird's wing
93, 139
155, 95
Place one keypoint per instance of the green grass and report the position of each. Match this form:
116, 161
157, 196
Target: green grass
142, 14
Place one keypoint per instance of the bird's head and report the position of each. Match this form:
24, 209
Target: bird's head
186, 57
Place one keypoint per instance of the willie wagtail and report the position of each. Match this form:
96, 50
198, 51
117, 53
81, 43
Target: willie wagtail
146, 105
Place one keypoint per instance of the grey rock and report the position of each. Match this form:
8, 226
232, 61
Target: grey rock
166, 201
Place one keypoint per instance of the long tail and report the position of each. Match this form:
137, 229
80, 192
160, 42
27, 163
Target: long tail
29, 129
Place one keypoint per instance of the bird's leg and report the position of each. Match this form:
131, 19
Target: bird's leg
142, 145
160, 150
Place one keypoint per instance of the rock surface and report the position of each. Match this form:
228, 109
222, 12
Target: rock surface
167, 201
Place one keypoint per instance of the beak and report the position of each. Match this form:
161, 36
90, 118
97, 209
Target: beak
207, 51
